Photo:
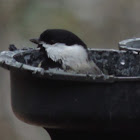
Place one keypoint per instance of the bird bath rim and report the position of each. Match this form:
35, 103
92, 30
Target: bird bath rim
132, 44
7, 61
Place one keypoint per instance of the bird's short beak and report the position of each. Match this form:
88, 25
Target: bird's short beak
35, 40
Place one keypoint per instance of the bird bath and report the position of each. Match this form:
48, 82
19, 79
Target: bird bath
77, 106
130, 44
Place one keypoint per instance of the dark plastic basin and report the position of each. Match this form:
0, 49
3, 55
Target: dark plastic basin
56, 99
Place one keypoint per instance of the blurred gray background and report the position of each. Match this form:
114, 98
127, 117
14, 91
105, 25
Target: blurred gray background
99, 23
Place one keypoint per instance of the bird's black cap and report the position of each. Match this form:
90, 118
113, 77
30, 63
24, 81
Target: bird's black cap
52, 36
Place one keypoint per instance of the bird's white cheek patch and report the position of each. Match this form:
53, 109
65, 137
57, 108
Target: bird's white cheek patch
72, 56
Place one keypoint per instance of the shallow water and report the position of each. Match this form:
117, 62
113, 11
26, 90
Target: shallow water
118, 63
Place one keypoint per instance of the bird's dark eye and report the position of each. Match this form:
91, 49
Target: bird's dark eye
52, 42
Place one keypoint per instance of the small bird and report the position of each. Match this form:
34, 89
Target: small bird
67, 51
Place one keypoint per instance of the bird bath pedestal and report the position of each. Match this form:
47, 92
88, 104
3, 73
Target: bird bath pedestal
77, 106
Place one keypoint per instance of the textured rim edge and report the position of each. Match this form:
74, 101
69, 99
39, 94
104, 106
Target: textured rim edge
8, 62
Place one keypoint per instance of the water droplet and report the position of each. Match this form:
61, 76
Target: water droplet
122, 62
